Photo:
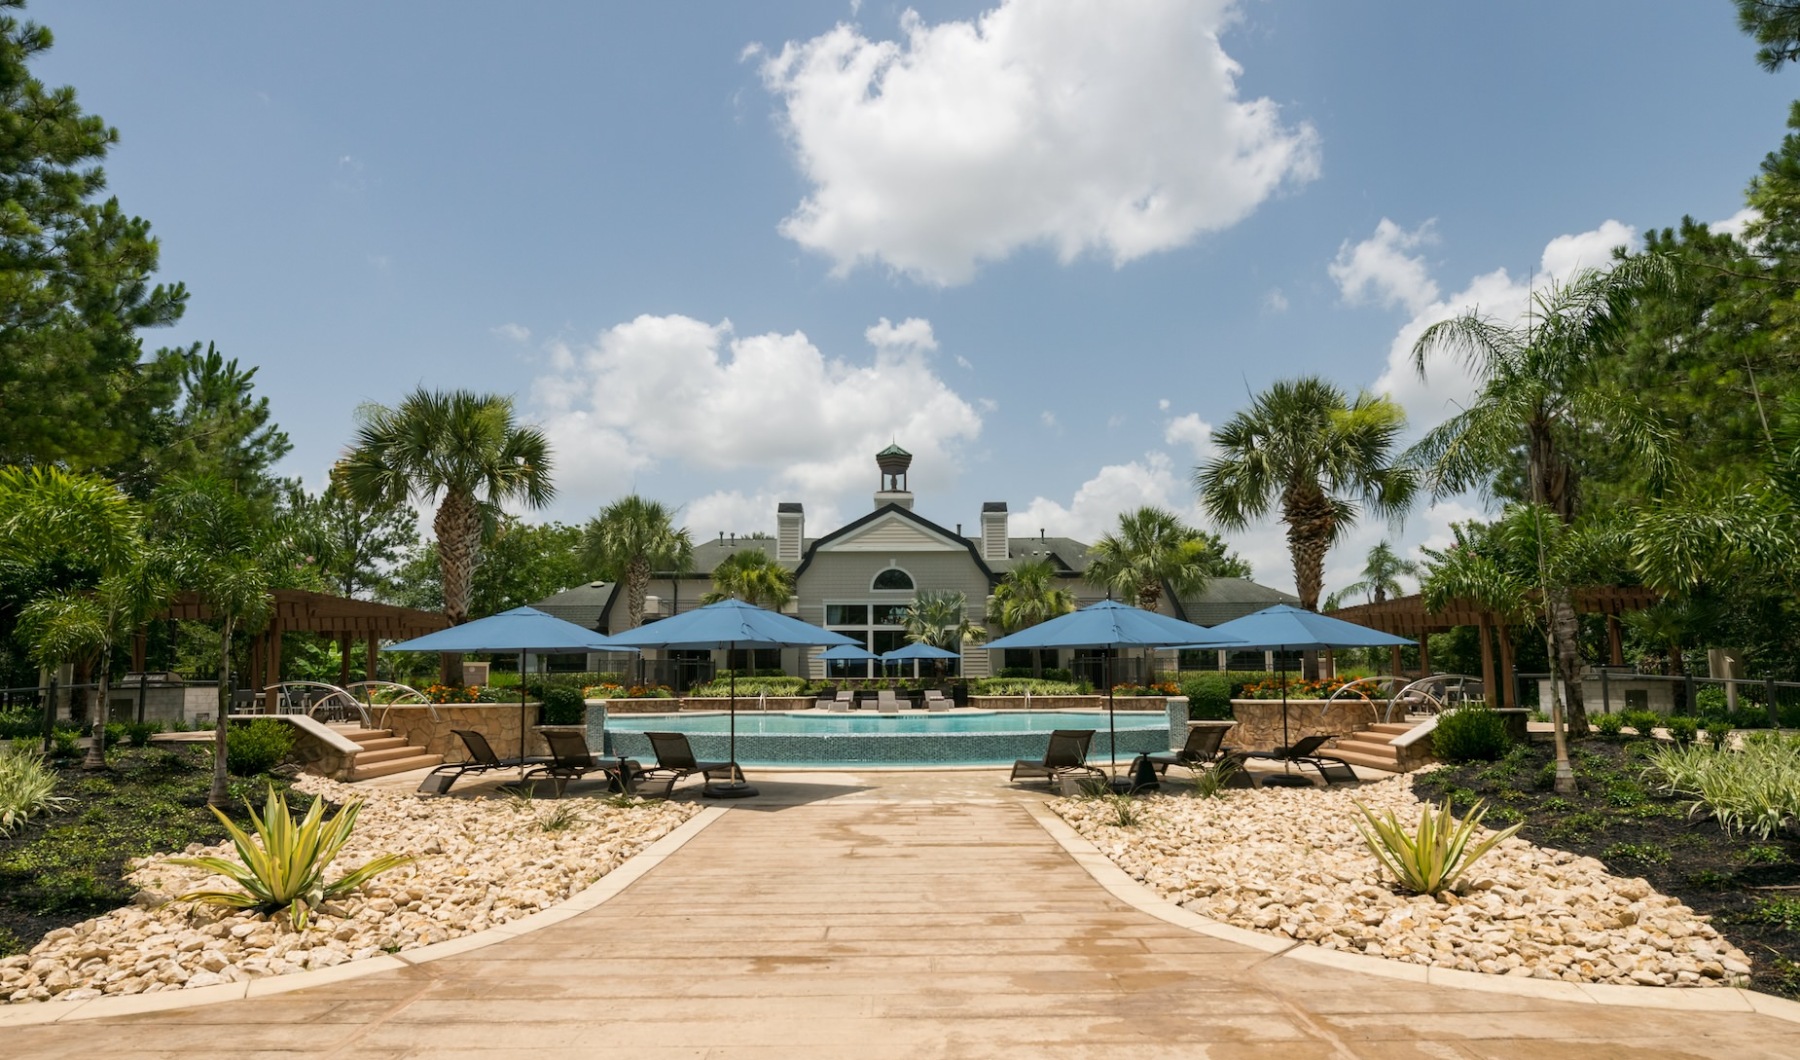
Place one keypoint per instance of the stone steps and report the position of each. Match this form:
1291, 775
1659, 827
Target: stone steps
393, 765
384, 754
1373, 747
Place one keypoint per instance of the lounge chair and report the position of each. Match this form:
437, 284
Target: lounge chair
846, 698
569, 760
936, 700
1305, 752
675, 760
887, 702
1065, 755
1201, 749
836, 706
482, 759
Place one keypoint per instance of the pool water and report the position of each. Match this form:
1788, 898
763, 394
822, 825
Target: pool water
967, 738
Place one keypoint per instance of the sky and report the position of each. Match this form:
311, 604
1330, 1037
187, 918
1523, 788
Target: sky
722, 253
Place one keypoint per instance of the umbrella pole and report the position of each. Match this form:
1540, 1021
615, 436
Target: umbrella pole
1112, 727
736, 787
521, 712
1286, 740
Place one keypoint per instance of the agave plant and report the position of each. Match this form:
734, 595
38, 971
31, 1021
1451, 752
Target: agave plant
26, 784
1435, 855
287, 870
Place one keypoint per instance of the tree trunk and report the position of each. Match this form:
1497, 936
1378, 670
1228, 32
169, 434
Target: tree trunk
220, 795
1565, 637
637, 588
458, 529
96, 755
1310, 520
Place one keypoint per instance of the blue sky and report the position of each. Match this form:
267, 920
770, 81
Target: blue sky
675, 231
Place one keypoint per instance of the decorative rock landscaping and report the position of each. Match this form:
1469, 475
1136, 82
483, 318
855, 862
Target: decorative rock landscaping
1292, 862
481, 863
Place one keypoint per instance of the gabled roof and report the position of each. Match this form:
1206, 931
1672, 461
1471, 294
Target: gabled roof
1065, 552
584, 605
1229, 598
891, 511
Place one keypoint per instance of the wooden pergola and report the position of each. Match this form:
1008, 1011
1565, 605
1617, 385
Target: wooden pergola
302, 611
1406, 616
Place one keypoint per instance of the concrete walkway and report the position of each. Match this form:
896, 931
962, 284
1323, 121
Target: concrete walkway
872, 916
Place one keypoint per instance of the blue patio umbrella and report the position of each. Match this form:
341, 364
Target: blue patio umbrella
1112, 625
730, 624
917, 650
1284, 628
848, 653
524, 630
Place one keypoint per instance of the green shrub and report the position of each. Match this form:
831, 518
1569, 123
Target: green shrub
1754, 790
1747, 717
1683, 729
115, 733
138, 733
1470, 734
1718, 730
21, 724
780, 685
26, 784
257, 747
1642, 722
1208, 695
1609, 725
1709, 699
65, 743
1018, 686
562, 706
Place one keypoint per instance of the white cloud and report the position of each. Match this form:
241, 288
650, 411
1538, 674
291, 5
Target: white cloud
1081, 125
1447, 386
1737, 222
963, 363
1116, 488
910, 334
1192, 431
1163, 404
1380, 270
512, 332
1048, 419
672, 389
1275, 301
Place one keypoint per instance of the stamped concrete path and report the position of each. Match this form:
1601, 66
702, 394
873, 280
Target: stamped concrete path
870, 917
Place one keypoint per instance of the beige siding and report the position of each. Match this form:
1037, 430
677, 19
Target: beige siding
892, 535
844, 577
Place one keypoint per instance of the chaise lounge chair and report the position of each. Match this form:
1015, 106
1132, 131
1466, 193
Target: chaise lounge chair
1066, 755
675, 760
1201, 750
569, 760
936, 700
1305, 752
887, 702
482, 759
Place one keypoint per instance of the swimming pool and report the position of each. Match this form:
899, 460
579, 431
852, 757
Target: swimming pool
967, 738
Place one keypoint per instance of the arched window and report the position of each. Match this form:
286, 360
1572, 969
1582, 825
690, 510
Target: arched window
891, 579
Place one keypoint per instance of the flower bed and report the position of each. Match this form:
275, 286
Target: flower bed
1292, 863
481, 862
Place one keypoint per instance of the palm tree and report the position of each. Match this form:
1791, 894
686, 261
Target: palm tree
218, 548
939, 617
1540, 389
1380, 576
1323, 458
1152, 548
55, 518
460, 451
1027, 595
751, 576
630, 538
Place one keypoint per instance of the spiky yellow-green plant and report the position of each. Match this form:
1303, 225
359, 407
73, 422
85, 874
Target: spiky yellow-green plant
1436, 854
287, 870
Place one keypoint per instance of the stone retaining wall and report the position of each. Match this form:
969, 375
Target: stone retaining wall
1258, 721
499, 722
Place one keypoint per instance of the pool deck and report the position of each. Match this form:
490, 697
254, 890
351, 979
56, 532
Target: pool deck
894, 915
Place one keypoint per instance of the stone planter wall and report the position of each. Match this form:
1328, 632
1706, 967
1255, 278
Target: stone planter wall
1067, 702
1258, 721
499, 722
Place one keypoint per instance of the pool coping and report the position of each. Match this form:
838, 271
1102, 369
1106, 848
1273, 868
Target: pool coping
27, 1013
1138, 895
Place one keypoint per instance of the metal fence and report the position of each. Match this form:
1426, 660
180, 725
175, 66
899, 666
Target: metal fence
1613, 691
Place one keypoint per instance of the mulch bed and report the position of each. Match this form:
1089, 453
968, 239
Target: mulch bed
1750, 887
68, 865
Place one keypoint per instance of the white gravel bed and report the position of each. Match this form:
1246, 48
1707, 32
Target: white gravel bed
481, 863
1290, 861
